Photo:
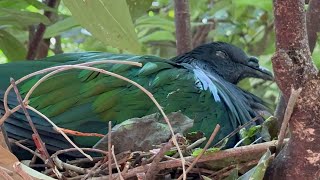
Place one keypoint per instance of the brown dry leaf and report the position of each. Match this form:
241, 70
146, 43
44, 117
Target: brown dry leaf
6, 165
7, 170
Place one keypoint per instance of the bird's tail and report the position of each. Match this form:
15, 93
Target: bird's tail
17, 128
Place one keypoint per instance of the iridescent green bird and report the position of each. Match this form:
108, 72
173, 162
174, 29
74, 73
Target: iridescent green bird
200, 83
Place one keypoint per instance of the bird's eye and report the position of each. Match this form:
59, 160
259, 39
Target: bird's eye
222, 54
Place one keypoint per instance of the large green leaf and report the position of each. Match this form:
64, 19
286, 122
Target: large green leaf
20, 18
60, 26
107, 20
155, 22
138, 8
158, 36
11, 47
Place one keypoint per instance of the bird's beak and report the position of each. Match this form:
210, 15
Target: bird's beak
254, 70
263, 73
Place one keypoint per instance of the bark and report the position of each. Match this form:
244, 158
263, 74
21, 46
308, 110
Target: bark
313, 22
293, 68
182, 22
38, 35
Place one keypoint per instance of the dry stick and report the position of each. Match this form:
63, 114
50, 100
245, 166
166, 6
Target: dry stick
91, 171
29, 150
84, 160
291, 103
75, 149
66, 166
55, 127
153, 170
191, 146
109, 151
237, 130
42, 147
213, 135
115, 161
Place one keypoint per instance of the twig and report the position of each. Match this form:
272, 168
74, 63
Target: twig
91, 171
191, 146
213, 135
153, 169
196, 143
221, 171
29, 150
279, 111
55, 127
234, 132
239, 142
85, 160
255, 141
62, 165
39, 143
109, 151
115, 161
74, 149
291, 103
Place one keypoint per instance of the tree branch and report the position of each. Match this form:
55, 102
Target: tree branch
182, 21
38, 35
293, 68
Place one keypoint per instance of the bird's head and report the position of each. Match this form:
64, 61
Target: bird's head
228, 61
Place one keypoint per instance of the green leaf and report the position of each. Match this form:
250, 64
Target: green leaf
40, 5
155, 22
60, 26
11, 47
138, 8
158, 36
257, 172
18, 4
265, 4
21, 18
107, 20
197, 151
